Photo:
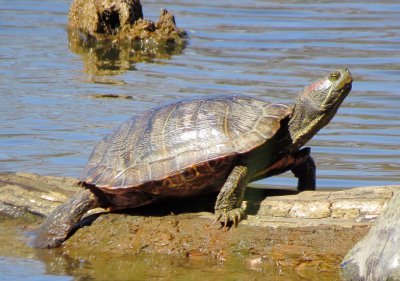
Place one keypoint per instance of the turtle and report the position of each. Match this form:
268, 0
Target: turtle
194, 147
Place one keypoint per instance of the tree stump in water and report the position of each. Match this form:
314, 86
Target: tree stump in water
121, 20
111, 35
103, 17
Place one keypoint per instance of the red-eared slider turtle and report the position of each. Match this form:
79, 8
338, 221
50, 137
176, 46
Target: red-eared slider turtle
195, 147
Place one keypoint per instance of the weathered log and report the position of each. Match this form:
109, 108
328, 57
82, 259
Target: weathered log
23, 193
39, 195
310, 230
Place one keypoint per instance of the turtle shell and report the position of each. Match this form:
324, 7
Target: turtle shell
181, 149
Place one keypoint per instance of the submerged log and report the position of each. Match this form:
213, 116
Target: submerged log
309, 230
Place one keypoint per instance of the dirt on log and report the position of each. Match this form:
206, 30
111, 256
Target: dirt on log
309, 230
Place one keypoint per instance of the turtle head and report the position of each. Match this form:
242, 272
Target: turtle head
317, 104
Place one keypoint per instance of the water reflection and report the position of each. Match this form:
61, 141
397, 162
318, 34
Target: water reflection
12, 269
95, 266
112, 58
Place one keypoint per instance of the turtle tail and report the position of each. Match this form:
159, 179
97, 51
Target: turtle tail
59, 223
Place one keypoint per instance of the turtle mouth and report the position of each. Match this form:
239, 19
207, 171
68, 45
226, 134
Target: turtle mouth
335, 98
346, 88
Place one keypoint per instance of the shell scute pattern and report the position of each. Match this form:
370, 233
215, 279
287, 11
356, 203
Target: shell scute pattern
182, 144
269, 122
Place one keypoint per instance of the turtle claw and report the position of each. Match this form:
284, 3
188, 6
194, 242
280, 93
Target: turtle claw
219, 216
230, 217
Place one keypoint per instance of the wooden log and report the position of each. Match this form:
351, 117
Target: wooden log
23, 193
39, 195
377, 256
309, 230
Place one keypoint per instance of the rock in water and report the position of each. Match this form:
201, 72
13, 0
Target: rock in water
377, 255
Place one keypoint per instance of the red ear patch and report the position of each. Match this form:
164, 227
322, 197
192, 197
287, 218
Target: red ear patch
313, 86
317, 86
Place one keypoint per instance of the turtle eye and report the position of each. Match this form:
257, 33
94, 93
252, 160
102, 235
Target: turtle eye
335, 75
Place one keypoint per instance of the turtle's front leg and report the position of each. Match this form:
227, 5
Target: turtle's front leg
228, 206
305, 170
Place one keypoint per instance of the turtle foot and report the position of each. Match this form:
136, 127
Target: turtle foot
229, 217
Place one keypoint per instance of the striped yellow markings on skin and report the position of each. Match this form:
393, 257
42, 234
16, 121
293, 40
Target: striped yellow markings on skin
240, 172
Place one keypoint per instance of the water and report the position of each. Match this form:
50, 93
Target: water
27, 270
50, 118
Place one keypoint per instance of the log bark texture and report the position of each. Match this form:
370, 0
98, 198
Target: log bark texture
312, 230
377, 256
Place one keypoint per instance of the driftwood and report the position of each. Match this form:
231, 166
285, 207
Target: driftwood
310, 230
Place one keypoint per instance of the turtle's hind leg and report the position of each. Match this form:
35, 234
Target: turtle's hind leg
54, 230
